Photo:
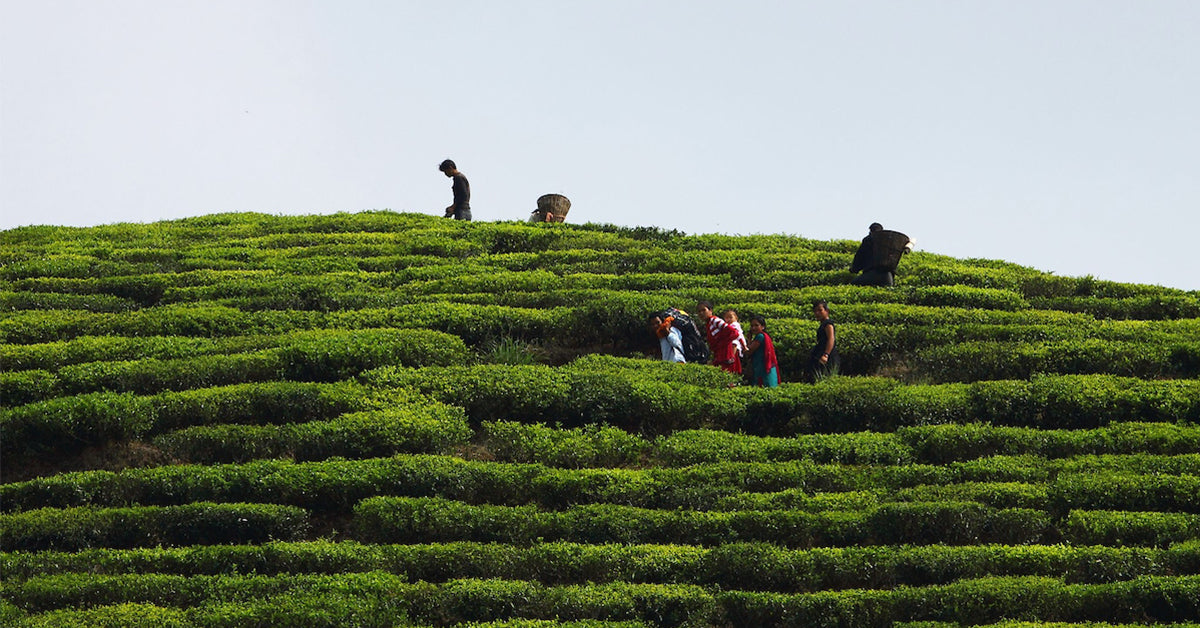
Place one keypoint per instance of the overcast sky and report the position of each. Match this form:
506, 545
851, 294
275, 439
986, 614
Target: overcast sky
1058, 134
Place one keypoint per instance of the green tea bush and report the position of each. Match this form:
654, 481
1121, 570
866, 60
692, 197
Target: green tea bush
587, 446
10, 301
1123, 528
21, 387
573, 396
1135, 464
151, 375
434, 429
689, 447
84, 590
748, 566
938, 444
975, 361
474, 324
1149, 307
336, 355
993, 494
506, 600
554, 623
1157, 491
130, 615
333, 485
174, 320
648, 400
148, 526
58, 285
77, 266
1184, 358
319, 610
55, 355
69, 423
972, 602
802, 500
338, 484
968, 297
431, 520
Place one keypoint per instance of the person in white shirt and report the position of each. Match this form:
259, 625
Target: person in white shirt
670, 340
739, 343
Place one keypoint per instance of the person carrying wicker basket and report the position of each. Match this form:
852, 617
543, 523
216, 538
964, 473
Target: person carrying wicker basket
551, 208
878, 256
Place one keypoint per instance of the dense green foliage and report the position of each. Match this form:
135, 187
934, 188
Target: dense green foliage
382, 419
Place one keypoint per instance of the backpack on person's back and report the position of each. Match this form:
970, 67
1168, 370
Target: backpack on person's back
695, 349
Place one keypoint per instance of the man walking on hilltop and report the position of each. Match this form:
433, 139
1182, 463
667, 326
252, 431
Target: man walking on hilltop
461, 209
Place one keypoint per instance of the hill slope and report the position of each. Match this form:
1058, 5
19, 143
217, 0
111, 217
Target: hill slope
389, 419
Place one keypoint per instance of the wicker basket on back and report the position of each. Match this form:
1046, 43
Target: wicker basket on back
556, 204
888, 247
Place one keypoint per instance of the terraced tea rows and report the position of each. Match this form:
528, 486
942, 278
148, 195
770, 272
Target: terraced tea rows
387, 420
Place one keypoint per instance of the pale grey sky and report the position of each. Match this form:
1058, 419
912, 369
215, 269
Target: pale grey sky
1059, 134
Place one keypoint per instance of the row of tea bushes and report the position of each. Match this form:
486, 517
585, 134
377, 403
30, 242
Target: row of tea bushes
318, 610
52, 356
639, 400
142, 376
189, 320
471, 323
127, 249
151, 526
416, 428
1138, 482
432, 520
323, 356
10, 301
974, 602
324, 291
603, 446
939, 351
751, 566
327, 355
978, 361
67, 424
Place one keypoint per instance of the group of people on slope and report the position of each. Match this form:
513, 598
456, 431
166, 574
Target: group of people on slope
729, 349
876, 258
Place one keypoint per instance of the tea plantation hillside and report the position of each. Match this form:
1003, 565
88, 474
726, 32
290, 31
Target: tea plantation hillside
384, 419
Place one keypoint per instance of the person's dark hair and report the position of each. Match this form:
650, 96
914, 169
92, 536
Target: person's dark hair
447, 165
760, 319
823, 303
707, 304
875, 227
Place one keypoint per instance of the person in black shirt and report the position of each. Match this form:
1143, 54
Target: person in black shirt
823, 360
461, 209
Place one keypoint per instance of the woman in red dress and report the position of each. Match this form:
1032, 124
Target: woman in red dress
720, 337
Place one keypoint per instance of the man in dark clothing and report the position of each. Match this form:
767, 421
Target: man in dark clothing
461, 209
878, 256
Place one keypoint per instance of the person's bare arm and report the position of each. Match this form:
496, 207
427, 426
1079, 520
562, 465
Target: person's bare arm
828, 346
